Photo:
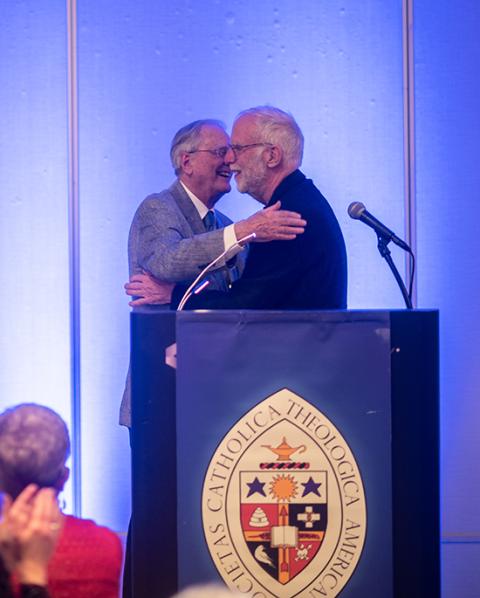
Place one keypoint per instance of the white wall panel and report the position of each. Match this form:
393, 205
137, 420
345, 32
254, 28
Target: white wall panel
448, 178
460, 571
34, 289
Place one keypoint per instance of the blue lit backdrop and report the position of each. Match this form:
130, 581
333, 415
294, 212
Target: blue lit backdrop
34, 292
448, 179
145, 69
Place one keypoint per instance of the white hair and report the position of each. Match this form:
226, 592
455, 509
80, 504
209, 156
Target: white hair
278, 128
210, 590
186, 139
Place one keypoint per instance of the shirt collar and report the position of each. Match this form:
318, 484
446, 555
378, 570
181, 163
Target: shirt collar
199, 205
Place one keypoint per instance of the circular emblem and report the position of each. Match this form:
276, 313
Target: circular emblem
283, 503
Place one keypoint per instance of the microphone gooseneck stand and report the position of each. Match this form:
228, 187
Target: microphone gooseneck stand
386, 254
195, 288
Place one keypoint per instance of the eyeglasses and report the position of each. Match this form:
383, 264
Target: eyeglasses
219, 152
239, 148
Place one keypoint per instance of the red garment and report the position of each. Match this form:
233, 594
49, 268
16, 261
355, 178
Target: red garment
86, 563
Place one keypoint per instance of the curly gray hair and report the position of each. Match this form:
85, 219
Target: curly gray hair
34, 445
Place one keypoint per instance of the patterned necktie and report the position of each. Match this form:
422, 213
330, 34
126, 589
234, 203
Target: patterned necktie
209, 220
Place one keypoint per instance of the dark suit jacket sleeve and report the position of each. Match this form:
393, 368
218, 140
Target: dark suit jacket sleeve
270, 271
307, 273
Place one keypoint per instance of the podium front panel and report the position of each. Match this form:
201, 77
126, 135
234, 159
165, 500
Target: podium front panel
280, 455
227, 363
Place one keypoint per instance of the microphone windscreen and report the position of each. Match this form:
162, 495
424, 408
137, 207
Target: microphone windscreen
356, 209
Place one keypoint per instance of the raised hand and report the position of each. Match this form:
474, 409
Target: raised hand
29, 531
272, 224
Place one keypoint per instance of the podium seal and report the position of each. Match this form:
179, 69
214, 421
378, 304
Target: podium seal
283, 503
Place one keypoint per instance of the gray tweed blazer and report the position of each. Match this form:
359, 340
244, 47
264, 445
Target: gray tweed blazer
168, 239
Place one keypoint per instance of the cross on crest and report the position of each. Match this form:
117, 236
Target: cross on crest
283, 512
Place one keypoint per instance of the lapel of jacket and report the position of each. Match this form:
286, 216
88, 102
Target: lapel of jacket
187, 208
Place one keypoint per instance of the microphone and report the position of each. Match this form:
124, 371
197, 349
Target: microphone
226, 255
357, 211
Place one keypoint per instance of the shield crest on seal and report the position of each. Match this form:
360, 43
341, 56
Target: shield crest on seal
284, 515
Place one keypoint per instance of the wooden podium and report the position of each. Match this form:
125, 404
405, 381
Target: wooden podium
287, 453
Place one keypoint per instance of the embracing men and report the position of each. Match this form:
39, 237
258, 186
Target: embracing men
298, 257
176, 233
307, 272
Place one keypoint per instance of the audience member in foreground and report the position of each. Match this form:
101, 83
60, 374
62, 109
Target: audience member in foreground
209, 590
86, 561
